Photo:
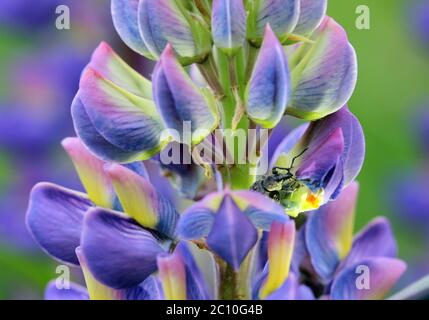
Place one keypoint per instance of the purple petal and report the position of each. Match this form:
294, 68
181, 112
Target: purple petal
324, 80
149, 289
97, 290
382, 273
125, 120
260, 209
269, 86
187, 178
228, 24
304, 293
260, 262
119, 252
354, 142
311, 15
195, 223
300, 252
87, 132
320, 161
233, 234
376, 240
124, 14
329, 233
179, 100
281, 15
74, 292
336, 183
54, 218
162, 22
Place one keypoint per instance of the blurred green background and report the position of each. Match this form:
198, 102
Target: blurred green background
393, 81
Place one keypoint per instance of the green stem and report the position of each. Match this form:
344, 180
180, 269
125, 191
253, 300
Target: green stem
232, 70
228, 289
209, 71
241, 70
252, 54
244, 277
227, 100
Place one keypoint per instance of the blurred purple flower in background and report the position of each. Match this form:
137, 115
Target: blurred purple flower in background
410, 195
42, 78
409, 192
420, 21
18, 14
408, 198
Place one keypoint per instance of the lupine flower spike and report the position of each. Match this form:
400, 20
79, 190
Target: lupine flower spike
256, 223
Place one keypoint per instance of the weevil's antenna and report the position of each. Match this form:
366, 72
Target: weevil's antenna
296, 157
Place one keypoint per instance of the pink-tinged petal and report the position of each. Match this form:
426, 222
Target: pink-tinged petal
313, 136
172, 273
325, 78
125, 20
73, 292
329, 232
162, 22
178, 100
91, 173
353, 153
281, 15
87, 132
375, 240
311, 14
141, 201
228, 24
55, 217
281, 242
118, 251
108, 63
196, 286
268, 91
127, 121
369, 279
319, 163
232, 235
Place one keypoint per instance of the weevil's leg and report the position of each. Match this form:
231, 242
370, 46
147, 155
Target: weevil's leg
276, 170
257, 186
275, 195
